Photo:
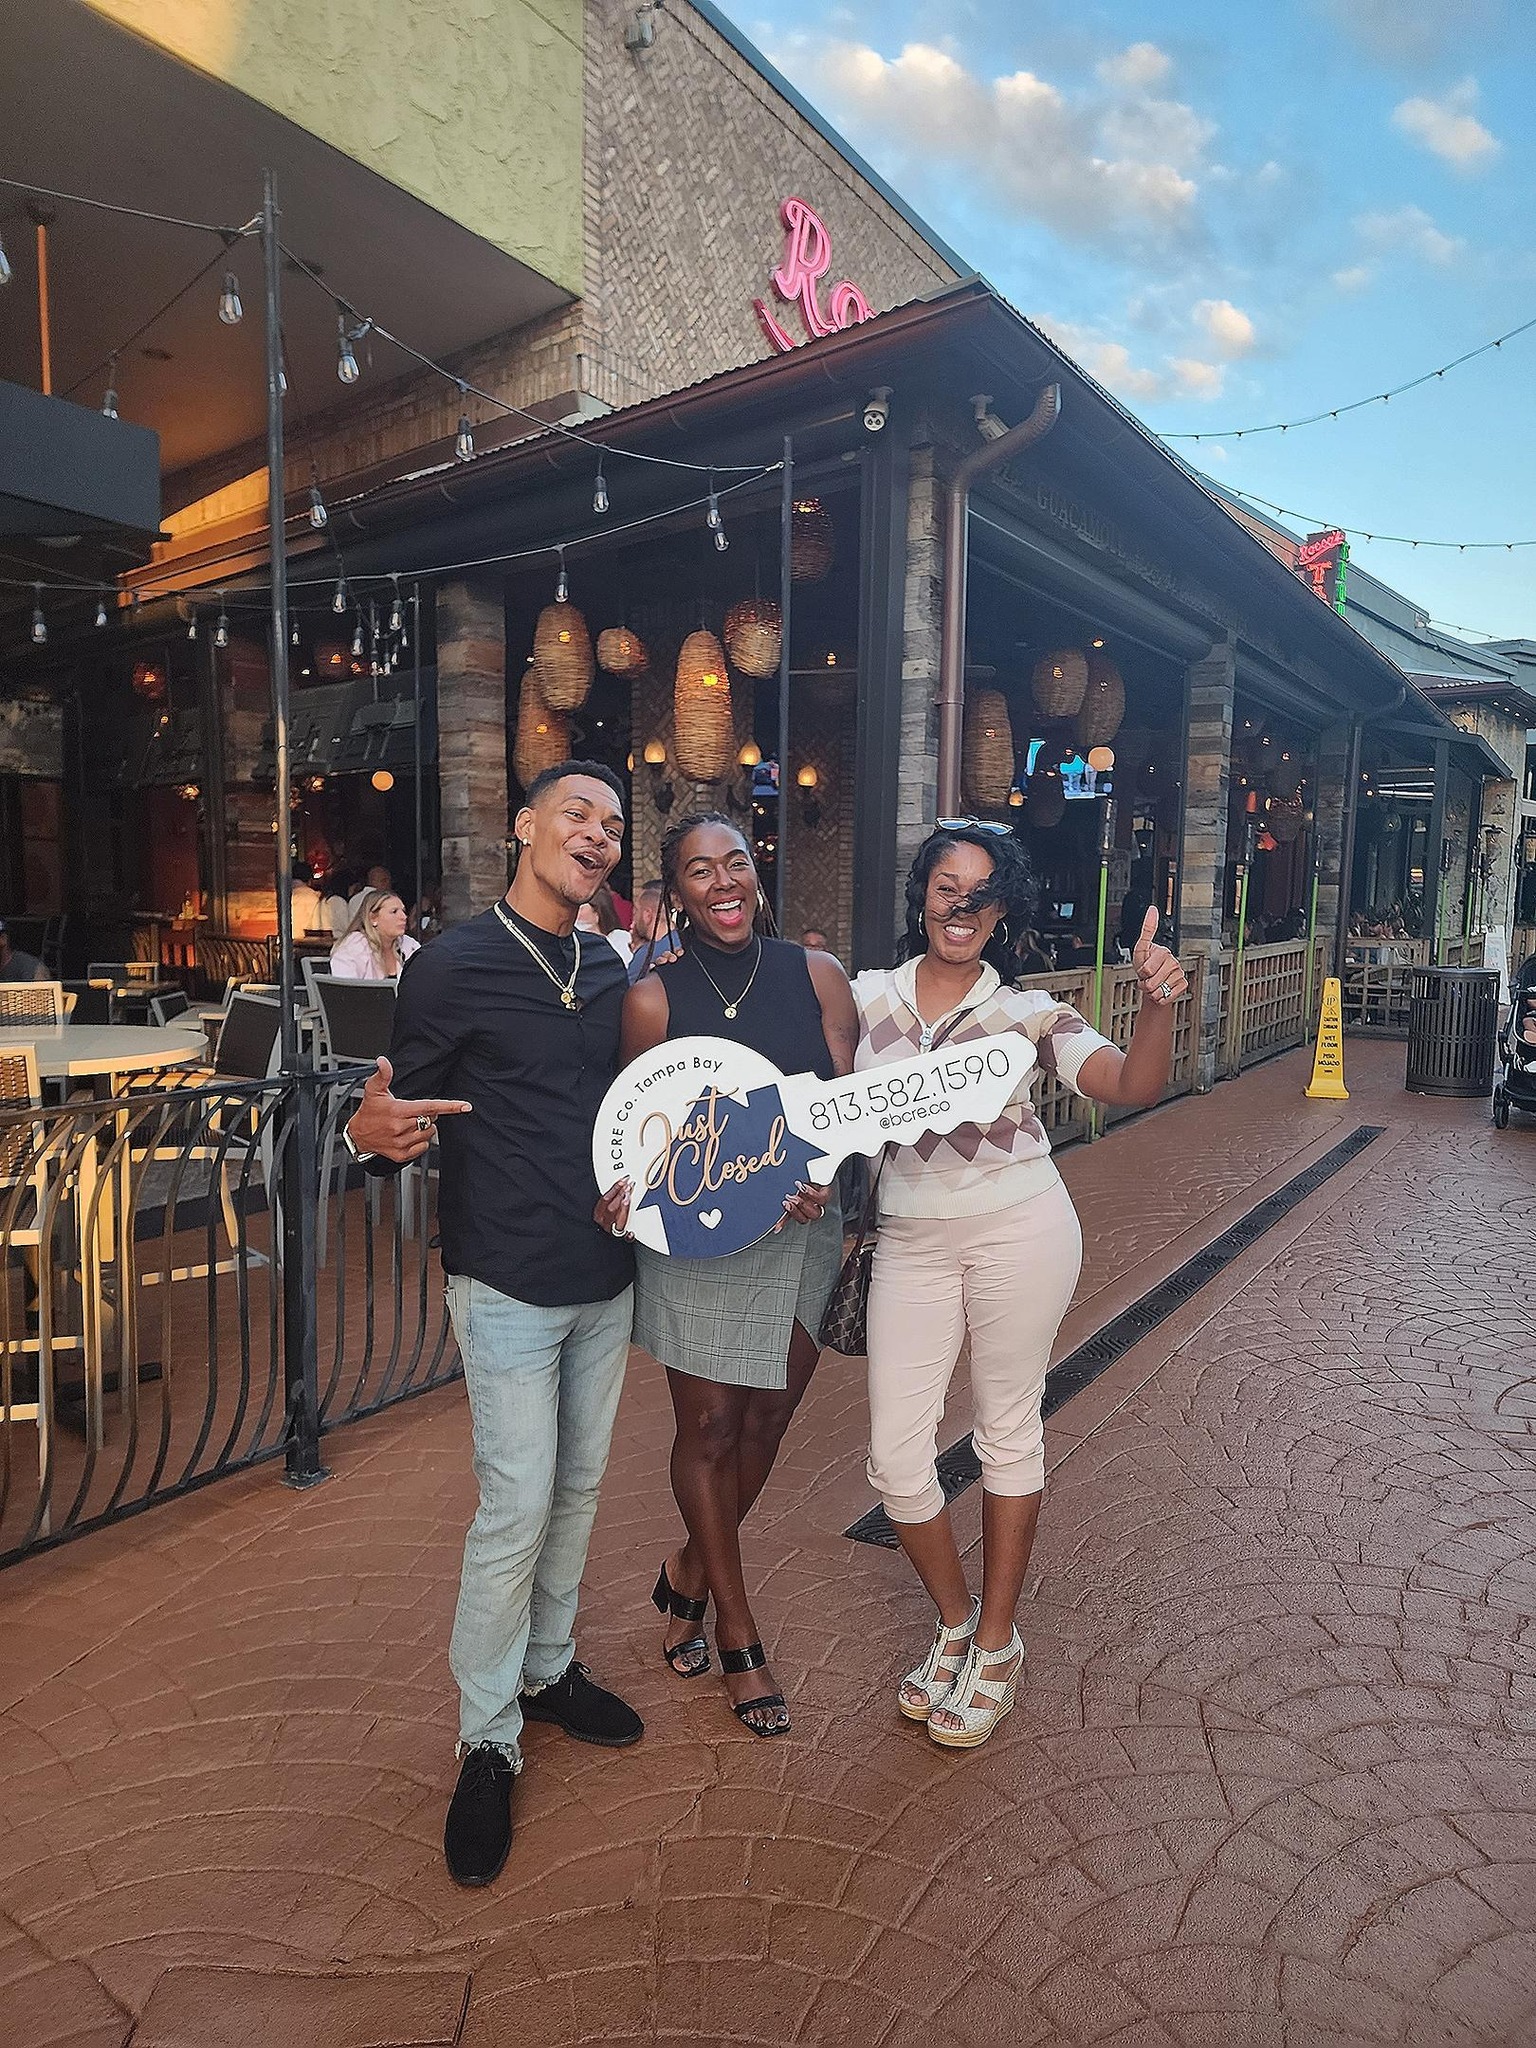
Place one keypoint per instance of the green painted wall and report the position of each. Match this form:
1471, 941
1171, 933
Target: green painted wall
474, 106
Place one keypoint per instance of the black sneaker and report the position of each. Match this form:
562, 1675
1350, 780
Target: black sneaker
478, 1831
573, 1702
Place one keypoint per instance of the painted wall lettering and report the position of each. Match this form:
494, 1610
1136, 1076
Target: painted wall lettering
797, 281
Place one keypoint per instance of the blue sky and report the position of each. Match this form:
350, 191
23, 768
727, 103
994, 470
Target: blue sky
1239, 211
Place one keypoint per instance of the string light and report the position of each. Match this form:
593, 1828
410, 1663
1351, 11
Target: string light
231, 312
293, 637
1355, 404
1359, 532
318, 515
109, 403
464, 439
339, 601
39, 623
192, 626
713, 520
357, 638
600, 491
221, 630
562, 581
101, 611
346, 361
396, 622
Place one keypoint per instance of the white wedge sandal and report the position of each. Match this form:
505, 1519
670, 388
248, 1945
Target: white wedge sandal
931, 1684
979, 1702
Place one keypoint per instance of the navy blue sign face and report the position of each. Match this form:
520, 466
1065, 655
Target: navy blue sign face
719, 1179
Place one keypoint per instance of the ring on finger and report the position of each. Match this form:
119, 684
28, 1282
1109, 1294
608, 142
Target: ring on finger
1165, 990
423, 1123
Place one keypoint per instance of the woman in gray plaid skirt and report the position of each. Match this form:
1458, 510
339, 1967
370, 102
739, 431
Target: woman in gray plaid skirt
736, 1335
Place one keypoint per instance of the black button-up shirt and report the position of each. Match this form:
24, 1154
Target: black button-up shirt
479, 1022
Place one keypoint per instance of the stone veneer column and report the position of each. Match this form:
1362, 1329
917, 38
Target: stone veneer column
917, 787
1329, 796
472, 745
1210, 687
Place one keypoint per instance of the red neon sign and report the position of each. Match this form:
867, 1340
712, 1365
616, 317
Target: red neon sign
807, 259
1320, 546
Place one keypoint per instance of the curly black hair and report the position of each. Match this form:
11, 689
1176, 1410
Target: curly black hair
1011, 883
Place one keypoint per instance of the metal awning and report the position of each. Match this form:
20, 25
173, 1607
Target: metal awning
68, 471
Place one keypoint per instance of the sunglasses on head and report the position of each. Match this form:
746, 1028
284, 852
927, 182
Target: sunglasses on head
972, 825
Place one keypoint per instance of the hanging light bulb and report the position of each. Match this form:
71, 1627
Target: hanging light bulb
562, 581
317, 512
339, 601
293, 637
231, 312
600, 492
357, 638
221, 630
109, 403
101, 611
464, 439
39, 623
282, 381
716, 524
722, 541
346, 361
5, 266
396, 621
192, 627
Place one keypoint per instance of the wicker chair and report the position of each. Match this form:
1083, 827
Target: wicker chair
40, 1003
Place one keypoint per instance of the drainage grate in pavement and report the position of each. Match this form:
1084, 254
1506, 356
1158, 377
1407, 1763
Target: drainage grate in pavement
958, 1467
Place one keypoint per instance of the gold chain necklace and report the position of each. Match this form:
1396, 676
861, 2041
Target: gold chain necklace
567, 988
731, 1008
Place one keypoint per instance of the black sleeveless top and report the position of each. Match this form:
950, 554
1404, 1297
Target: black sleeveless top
780, 1017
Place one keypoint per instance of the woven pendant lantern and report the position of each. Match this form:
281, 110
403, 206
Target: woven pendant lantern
1103, 707
620, 652
1045, 803
1058, 683
986, 748
701, 708
812, 541
543, 736
754, 636
562, 656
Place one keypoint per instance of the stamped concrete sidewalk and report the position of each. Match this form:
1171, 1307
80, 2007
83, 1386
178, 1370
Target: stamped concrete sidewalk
1271, 1783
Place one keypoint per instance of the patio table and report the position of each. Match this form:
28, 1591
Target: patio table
87, 1051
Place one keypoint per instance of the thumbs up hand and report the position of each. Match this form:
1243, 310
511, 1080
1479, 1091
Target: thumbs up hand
1161, 977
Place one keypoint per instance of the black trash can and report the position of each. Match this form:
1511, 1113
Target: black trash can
1453, 1026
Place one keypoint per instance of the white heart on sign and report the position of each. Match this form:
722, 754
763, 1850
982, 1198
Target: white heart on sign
710, 1218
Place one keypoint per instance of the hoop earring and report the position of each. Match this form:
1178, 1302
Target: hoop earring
1002, 929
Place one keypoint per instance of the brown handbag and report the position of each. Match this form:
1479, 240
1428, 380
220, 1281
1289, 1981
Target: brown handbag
845, 1324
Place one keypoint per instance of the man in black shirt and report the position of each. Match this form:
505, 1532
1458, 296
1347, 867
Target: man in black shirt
507, 1032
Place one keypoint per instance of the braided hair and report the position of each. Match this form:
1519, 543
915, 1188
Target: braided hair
1011, 884
671, 859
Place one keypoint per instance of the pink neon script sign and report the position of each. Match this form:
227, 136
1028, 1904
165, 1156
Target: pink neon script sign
807, 259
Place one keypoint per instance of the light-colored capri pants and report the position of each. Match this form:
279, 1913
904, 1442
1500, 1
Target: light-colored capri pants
1007, 1279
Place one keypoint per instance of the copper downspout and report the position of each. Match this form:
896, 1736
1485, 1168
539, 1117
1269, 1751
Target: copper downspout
1047, 407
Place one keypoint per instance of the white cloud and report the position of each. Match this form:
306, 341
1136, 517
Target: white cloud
1448, 128
1355, 278
1227, 327
1408, 231
1117, 163
1111, 362
1137, 68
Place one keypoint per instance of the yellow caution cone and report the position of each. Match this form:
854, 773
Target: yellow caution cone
1327, 1082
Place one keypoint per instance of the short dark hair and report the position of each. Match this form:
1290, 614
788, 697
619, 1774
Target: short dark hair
1011, 883
598, 770
648, 889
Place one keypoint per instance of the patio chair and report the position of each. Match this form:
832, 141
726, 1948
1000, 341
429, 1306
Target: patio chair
31, 1157
93, 1001
42, 1003
357, 1018
164, 1009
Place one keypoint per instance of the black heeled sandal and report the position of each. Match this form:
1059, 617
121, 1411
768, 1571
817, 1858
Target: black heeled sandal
667, 1600
753, 1659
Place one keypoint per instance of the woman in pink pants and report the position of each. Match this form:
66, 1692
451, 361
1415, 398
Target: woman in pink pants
978, 1238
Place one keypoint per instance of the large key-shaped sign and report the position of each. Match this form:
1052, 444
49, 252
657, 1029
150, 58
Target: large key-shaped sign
713, 1137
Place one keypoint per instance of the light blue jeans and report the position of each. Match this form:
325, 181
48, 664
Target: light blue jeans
543, 1391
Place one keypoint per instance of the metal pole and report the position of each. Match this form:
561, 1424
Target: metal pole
416, 745
1347, 849
1106, 847
300, 1150
1317, 874
1235, 1022
786, 537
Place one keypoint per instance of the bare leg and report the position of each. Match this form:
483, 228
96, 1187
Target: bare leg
705, 1453
931, 1548
1007, 1538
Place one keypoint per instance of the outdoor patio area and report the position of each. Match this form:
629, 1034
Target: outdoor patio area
1271, 1782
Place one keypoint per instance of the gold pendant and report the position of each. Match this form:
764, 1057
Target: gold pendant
730, 1009
568, 999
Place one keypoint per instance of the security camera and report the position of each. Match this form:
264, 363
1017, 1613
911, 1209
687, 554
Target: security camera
877, 408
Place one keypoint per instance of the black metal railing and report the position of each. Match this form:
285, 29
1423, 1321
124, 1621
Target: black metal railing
195, 1278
